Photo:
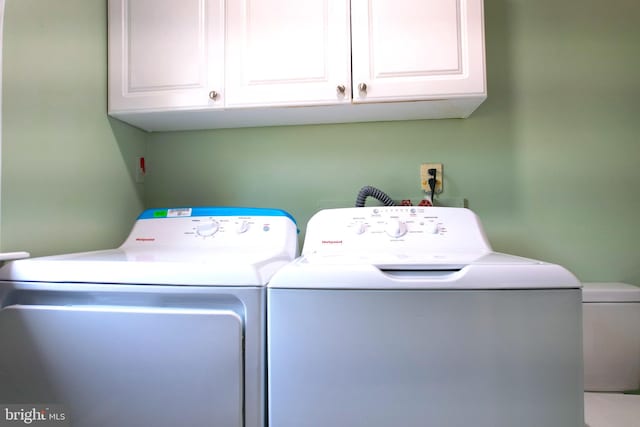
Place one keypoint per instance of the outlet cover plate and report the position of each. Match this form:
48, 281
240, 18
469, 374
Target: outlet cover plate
424, 176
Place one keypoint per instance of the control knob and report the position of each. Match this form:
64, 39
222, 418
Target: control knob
359, 228
431, 228
396, 228
207, 229
242, 227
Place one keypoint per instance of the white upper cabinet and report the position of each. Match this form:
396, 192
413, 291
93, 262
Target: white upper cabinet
166, 54
287, 52
414, 50
198, 64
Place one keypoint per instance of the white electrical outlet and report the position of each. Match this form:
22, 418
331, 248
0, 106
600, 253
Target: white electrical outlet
425, 176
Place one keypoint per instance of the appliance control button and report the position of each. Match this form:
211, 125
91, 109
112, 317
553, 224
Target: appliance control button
396, 228
207, 229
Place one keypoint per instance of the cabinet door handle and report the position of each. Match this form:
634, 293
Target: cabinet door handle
362, 87
341, 89
213, 95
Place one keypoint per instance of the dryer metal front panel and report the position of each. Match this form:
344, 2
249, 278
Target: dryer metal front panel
121, 365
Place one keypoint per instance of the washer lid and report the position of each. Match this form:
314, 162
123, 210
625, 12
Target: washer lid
396, 260
610, 292
493, 271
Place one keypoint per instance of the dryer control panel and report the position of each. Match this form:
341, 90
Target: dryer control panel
213, 228
394, 229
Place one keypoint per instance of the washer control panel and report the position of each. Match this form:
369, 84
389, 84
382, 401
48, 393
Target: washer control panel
393, 229
395, 223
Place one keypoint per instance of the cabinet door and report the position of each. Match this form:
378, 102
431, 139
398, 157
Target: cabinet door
287, 52
165, 54
417, 49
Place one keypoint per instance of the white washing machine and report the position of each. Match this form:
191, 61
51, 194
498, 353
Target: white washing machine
166, 330
403, 316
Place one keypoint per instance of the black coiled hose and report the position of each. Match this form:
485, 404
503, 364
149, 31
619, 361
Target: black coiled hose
369, 191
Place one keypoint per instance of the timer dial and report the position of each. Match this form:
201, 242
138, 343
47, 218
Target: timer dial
207, 229
396, 228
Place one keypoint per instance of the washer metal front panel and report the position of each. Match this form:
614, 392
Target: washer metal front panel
415, 358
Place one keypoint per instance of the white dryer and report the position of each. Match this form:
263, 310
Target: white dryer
403, 316
166, 330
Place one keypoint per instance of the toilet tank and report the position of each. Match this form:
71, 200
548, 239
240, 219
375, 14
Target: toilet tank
611, 336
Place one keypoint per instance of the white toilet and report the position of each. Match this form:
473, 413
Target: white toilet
611, 354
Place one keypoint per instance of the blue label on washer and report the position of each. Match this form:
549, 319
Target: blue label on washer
211, 211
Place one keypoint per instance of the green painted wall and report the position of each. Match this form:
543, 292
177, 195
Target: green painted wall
67, 182
550, 162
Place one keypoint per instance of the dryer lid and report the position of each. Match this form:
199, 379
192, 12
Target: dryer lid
179, 246
149, 267
610, 292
